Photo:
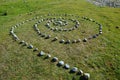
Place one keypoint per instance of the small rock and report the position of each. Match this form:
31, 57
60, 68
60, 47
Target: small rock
56, 38
60, 63
22, 42
74, 41
80, 72
79, 40
41, 53
55, 59
30, 46
74, 69
100, 32
68, 41
48, 56
36, 49
85, 40
25, 44
94, 36
66, 66
86, 76
43, 35
47, 37
62, 41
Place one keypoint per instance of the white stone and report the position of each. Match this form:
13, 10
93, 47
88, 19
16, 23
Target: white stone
61, 63
48, 55
74, 69
86, 76
41, 53
67, 66
30, 46
55, 59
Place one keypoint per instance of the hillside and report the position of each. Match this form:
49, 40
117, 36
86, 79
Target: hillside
99, 56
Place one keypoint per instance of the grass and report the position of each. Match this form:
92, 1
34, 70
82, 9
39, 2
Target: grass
99, 57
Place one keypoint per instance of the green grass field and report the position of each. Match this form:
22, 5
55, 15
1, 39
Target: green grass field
100, 57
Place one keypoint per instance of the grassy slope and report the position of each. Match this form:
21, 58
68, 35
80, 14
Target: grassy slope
100, 57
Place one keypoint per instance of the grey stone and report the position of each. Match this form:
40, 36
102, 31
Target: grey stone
62, 41
30, 46
100, 32
61, 63
35, 25
94, 36
85, 40
48, 56
56, 38
47, 24
36, 49
43, 35
68, 41
80, 72
48, 36
11, 32
41, 53
15, 37
76, 26
55, 59
25, 44
65, 29
67, 66
74, 41
79, 40
86, 76
22, 42
74, 69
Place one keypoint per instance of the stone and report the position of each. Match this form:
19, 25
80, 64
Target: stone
56, 38
85, 40
48, 56
67, 66
64, 29
30, 46
80, 72
15, 37
100, 27
86, 76
100, 32
94, 36
36, 49
70, 29
48, 36
62, 41
55, 59
68, 41
35, 25
25, 44
74, 41
47, 24
77, 23
43, 35
76, 26
91, 19
56, 29
41, 53
79, 40
61, 63
22, 42
74, 69
11, 32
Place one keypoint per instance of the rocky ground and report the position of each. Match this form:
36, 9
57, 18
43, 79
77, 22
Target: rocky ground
110, 3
